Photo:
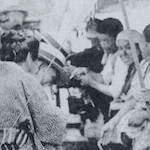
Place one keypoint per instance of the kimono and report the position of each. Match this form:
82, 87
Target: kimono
140, 135
23, 99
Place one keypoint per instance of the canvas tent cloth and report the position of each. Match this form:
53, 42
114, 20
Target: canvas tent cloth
55, 15
137, 11
50, 12
104, 6
65, 14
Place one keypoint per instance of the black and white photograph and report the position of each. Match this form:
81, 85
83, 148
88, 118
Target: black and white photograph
74, 74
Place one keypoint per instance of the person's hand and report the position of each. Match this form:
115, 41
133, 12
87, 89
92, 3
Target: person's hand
78, 72
69, 68
85, 79
106, 133
138, 118
143, 95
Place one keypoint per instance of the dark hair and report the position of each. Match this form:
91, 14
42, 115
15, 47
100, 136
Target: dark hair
139, 51
111, 27
16, 45
146, 33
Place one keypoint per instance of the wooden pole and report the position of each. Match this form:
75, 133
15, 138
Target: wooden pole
133, 48
134, 53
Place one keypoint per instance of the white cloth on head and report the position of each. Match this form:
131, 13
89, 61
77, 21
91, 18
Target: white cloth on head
131, 34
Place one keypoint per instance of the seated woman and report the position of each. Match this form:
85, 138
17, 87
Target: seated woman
107, 37
50, 69
124, 70
132, 118
100, 67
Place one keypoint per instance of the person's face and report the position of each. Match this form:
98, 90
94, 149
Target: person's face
107, 43
46, 75
124, 51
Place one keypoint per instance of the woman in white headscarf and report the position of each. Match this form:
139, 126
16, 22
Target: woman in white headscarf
124, 68
132, 118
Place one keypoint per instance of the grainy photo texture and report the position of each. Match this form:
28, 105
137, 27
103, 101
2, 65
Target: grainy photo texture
74, 75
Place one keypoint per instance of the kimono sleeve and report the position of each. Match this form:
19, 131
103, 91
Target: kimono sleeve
49, 123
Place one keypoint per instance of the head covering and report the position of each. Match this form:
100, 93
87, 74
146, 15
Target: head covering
53, 53
28, 21
136, 37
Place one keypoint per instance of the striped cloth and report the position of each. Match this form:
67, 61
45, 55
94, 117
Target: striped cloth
15, 138
12, 138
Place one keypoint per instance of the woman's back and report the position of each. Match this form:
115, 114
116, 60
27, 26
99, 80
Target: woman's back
23, 99
12, 98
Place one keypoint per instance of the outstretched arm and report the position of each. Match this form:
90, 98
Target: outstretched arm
88, 80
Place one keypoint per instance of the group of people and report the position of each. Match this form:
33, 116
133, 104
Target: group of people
109, 75
32, 63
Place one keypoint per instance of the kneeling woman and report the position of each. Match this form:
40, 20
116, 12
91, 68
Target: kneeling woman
50, 69
22, 97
